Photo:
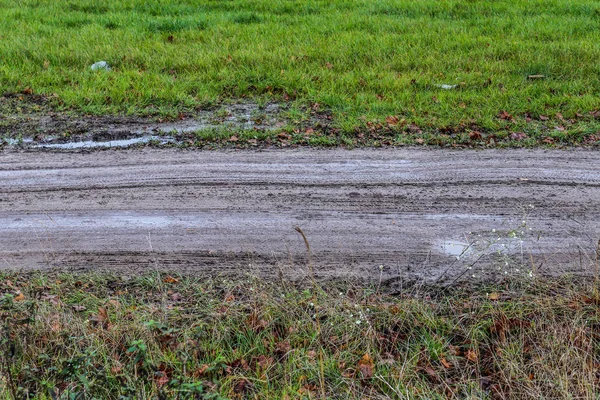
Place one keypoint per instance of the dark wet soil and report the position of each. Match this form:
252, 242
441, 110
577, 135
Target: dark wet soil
29, 121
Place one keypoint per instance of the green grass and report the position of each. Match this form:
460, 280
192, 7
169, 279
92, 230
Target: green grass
74, 336
362, 60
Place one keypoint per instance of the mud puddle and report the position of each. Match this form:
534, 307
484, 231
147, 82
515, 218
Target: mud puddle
31, 128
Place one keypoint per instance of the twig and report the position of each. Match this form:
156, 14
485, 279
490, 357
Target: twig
315, 298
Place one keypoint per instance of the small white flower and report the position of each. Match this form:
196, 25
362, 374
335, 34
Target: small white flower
358, 322
493, 231
311, 304
381, 267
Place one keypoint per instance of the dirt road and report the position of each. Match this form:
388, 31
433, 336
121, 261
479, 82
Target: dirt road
408, 214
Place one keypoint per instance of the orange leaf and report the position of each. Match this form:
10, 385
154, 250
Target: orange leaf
365, 366
445, 363
170, 279
472, 355
19, 297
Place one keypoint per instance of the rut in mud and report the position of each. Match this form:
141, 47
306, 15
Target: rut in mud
389, 215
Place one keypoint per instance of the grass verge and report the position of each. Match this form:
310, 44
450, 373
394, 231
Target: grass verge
517, 69
160, 336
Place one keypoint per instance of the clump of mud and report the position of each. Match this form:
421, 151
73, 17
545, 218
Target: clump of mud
29, 121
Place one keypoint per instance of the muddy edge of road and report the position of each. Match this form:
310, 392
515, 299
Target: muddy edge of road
384, 215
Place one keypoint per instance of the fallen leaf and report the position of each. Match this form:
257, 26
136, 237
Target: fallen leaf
445, 363
494, 296
420, 141
472, 356
229, 298
474, 135
518, 136
242, 386
102, 314
79, 308
328, 65
161, 378
200, 371
19, 297
233, 139
534, 77
264, 362
543, 118
28, 90
392, 120
170, 279
412, 128
365, 366
505, 116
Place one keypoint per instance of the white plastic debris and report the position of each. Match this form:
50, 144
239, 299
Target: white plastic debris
447, 87
100, 65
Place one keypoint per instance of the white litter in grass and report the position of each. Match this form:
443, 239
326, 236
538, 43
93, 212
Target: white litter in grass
446, 87
100, 65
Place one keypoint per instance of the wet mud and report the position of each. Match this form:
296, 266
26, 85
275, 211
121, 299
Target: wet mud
388, 216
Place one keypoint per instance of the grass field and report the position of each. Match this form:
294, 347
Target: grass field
68, 336
522, 69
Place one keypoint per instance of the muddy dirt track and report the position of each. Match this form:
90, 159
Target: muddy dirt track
390, 215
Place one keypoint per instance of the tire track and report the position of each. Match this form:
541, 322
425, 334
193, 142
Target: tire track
233, 213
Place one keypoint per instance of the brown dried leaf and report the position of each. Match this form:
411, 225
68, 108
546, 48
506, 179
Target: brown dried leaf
366, 366
445, 363
518, 136
472, 355
242, 386
201, 371
494, 296
505, 116
474, 135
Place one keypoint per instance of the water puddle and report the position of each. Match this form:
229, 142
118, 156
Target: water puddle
454, 248
91, 144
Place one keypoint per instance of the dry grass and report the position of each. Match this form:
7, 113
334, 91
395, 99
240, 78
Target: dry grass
157, 336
